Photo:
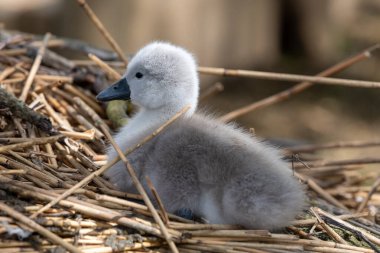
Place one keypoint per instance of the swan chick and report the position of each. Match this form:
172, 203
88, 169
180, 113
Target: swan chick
216, 170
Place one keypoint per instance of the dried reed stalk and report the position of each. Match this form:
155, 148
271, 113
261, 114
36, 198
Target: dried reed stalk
332, 145
35, 141
372, 238
327, 228
288, 77
41, 230
155, 194
87, 135
325, 195
281, 96
34, 68
11, 106
85, 208
7, 72
373, 189
139, 186
28, 170
102, 29
111, 163
210, 91
112, 74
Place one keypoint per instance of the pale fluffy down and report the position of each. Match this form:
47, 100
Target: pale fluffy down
214, 169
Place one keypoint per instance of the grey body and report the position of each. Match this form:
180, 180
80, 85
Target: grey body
219, 172
214, 169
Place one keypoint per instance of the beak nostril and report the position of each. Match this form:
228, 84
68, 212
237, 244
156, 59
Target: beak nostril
119, 90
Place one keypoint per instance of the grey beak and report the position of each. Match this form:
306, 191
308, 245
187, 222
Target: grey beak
119, 90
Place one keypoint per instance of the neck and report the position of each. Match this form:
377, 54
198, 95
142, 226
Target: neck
148, 120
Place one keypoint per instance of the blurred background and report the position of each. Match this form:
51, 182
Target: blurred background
292, 36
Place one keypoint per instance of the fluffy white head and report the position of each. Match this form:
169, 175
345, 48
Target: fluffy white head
163, 75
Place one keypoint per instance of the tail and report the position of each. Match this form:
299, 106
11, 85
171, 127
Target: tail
262, 202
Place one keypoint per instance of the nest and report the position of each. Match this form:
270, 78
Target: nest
53, 198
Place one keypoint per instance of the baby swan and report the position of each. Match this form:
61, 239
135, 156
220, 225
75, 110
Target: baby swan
216, 170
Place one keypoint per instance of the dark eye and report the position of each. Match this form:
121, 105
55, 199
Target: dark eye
139, 75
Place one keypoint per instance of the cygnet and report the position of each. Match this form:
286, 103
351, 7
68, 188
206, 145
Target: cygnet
216, 170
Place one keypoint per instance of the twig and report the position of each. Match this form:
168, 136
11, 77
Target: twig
278, 97
36, 141
35, 66
374, 187
367, 225
13, 52
114, 64
102, 29
82, 120
327, 170
19, 127
7, 72
314, 186
77, 205
343, 217
141, 189
49, 86
110, 71
238, 233
38, 228
12, 172
81, 46
98, 121
358, 161
135, 180
71, 89
11, 106
83, 169
164, 214
89, 178
224, 244
331, 145
334, 235
61, 122
32, 170
87, 135
138, 245
8, 134
117, 109
53, 59
213, 89
56, 104
52, 157
347, 225
288, 77
302, 233
199, 226
55, 78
